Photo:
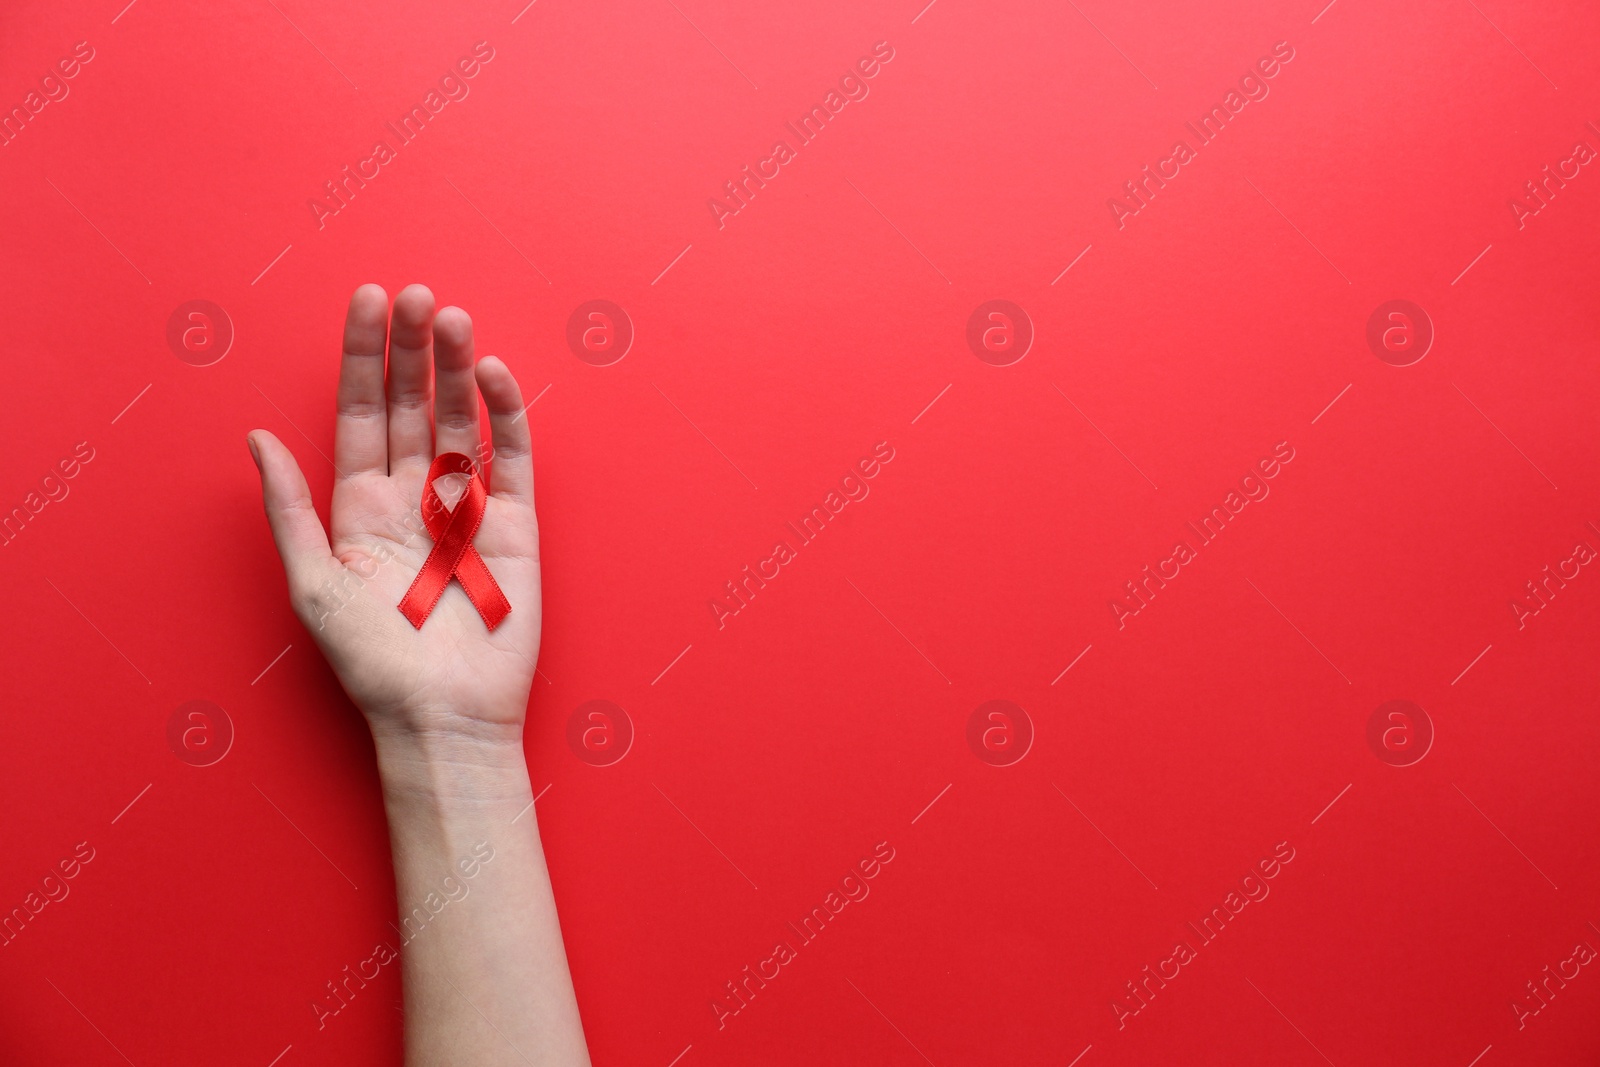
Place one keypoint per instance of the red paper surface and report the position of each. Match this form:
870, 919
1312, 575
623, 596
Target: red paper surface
1165, 754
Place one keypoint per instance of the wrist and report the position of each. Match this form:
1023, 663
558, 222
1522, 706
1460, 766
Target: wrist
470, 761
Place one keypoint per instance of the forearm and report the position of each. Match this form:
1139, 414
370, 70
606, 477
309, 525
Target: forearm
485, 973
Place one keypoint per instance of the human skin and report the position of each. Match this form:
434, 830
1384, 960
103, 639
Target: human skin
486, 979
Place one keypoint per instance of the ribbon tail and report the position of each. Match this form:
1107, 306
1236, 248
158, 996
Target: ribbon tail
428, 586
481, 588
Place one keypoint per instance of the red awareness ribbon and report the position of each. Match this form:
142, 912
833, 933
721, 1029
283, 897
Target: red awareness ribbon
453, 555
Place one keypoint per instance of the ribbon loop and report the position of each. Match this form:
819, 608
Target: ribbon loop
453, 555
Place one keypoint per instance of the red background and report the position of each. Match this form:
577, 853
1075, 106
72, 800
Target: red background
821, 319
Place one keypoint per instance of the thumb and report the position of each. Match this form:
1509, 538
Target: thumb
296, 529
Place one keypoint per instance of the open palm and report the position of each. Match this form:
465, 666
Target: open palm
453, 672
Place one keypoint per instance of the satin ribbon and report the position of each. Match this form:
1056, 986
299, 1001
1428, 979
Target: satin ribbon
453, 555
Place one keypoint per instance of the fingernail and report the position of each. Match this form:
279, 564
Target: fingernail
255, 453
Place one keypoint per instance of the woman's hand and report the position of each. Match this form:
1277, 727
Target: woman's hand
453, 676
486, 979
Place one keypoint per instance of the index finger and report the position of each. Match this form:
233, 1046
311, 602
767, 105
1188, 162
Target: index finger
361, 433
